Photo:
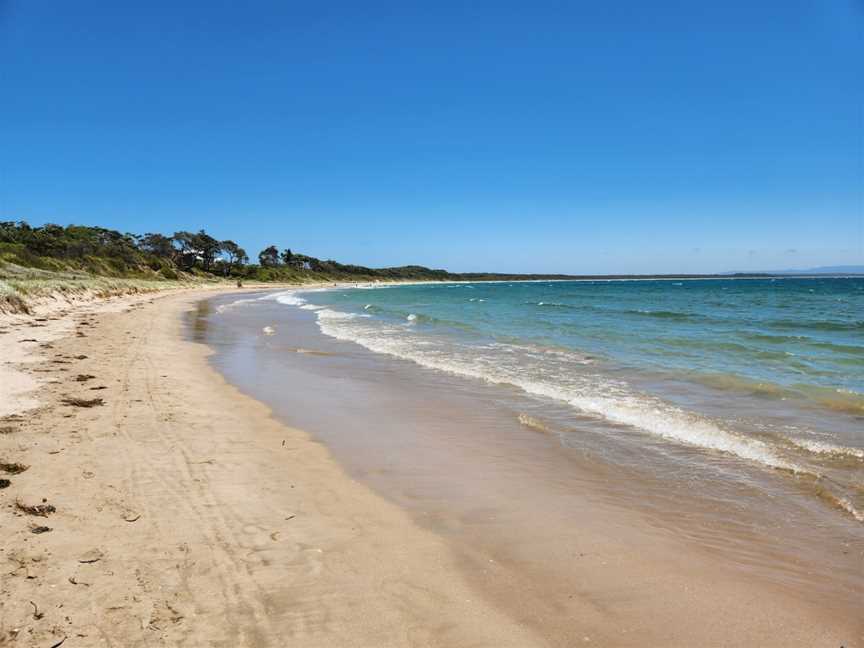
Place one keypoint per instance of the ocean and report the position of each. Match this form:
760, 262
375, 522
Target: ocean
716, 424
765, 373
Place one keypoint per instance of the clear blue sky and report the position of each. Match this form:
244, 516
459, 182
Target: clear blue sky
534, 136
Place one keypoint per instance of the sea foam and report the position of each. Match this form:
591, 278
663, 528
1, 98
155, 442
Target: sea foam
599, 396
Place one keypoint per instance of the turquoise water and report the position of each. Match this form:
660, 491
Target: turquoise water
767, 372
803, 335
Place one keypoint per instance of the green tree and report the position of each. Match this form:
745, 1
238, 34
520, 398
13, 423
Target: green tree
269, 257
209, 249
157, 245
197, 247
187, 253
15, 232
236, 255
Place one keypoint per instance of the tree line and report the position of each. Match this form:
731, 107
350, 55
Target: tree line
99, 248
104, 251
107, 252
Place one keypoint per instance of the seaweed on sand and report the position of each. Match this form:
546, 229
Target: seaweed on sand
13, 468
40, 510
83, 402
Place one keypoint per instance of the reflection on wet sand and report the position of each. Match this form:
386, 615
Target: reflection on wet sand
548, 516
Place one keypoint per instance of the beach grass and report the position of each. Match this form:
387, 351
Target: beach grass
22, 289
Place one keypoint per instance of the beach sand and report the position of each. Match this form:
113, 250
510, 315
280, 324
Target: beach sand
187, 514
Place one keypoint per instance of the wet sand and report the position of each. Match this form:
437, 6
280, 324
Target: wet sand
556, 538
190, 513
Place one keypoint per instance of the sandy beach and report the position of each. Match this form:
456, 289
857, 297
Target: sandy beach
439, 325
186, 515
157, 504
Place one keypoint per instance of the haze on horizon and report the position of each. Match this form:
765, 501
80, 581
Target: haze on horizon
543, 137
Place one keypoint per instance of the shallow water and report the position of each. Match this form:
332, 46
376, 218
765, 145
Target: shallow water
496, 437
765, 371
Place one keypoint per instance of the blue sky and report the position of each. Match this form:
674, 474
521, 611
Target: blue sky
533, 136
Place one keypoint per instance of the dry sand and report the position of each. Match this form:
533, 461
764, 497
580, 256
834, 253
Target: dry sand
187, 515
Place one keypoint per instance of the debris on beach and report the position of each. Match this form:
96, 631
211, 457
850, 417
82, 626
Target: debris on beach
268, 330
5, 483
36, 613
84, 377
92, 556
40, 529
83, 402
13, 468
39, 510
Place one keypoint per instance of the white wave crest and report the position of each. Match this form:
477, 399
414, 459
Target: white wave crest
595, 395
328, 314
822, 447
847, 506
225, 307
290, 300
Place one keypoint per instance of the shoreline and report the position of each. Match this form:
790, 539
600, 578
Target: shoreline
424, 440
188, 513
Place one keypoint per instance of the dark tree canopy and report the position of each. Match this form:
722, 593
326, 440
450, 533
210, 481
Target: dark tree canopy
234, 254
157, 244
269, 257
198, 247
103, 251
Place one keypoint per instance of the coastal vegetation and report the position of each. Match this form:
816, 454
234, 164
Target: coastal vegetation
83, 261
83, 250
44, 260
183, 255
